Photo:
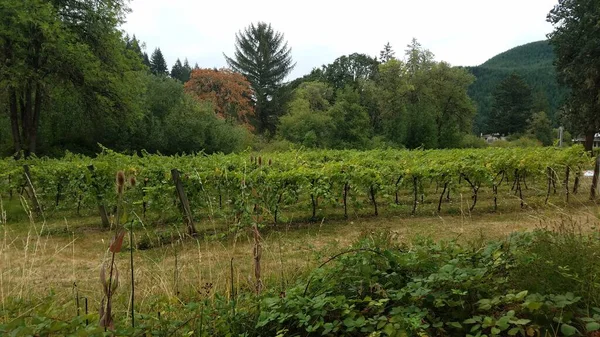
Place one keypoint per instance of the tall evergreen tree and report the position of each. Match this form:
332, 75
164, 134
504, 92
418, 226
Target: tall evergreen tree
577, 48
177, 71
187, 71
387, 53
158, 65
146, 60
512, 107
263, 56
417, 57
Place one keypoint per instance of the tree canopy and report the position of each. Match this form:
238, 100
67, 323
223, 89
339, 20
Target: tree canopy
263, 56
577, 47
229, 92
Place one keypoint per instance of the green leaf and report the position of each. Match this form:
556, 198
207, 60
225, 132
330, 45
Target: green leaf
592, 326
513, 331
455, 325
568, 330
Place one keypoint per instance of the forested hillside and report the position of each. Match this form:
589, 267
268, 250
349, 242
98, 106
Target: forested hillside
534, 63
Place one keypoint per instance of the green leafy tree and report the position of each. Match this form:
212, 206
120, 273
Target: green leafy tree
158, 65
577, 49
540, 127
512, 106
350, 70
454, 110
352, 125
263, 56
307, 121
73, 44
392, 91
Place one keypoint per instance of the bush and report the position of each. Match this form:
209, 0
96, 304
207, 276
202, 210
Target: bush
543, 283
470, 141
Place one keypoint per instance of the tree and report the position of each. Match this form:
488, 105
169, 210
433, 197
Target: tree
229, 92
392, 90
417, 57
75, 43
177, 70
158, 65
454, 110
307, 121
512, 106
180, 71
352, 126
187, 71
263, 56
350, 70
577, 49
540, 127
387, 53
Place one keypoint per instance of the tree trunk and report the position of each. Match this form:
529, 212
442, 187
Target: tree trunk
595, 179
35, 119
589, 140
14, 121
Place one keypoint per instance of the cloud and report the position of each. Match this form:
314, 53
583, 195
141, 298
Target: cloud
461, 32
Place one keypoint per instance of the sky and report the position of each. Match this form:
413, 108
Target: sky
461, 32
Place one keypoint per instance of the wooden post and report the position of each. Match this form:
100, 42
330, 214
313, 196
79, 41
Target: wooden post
595, 179
185, 205
33, 195
101, 207
567, 171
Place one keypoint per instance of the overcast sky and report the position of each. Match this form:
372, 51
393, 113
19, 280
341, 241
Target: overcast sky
461, 32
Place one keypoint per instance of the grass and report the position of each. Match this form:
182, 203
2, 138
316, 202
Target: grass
60, 255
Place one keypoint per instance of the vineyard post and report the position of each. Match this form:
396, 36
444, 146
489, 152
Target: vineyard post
549, 184
567, 171
346, 189
101, 207
58, 190
595, 178
10, 191
185, 205
33, 195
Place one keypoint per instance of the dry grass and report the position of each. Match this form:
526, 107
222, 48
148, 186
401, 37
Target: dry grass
33, 264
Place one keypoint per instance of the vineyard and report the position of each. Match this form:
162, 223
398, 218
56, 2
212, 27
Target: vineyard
306, 185
243, 270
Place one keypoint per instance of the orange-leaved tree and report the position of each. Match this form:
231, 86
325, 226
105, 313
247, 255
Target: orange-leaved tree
229, 92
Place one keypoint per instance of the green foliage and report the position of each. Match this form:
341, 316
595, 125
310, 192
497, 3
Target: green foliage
575, 41
512, 106
181, 72
541, 128
64, 45
350, 70
352, 127
534, 63
379, 287
283, 182
472, 142
262, 55
158, 64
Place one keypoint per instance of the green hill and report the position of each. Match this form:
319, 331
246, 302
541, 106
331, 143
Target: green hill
533, 62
